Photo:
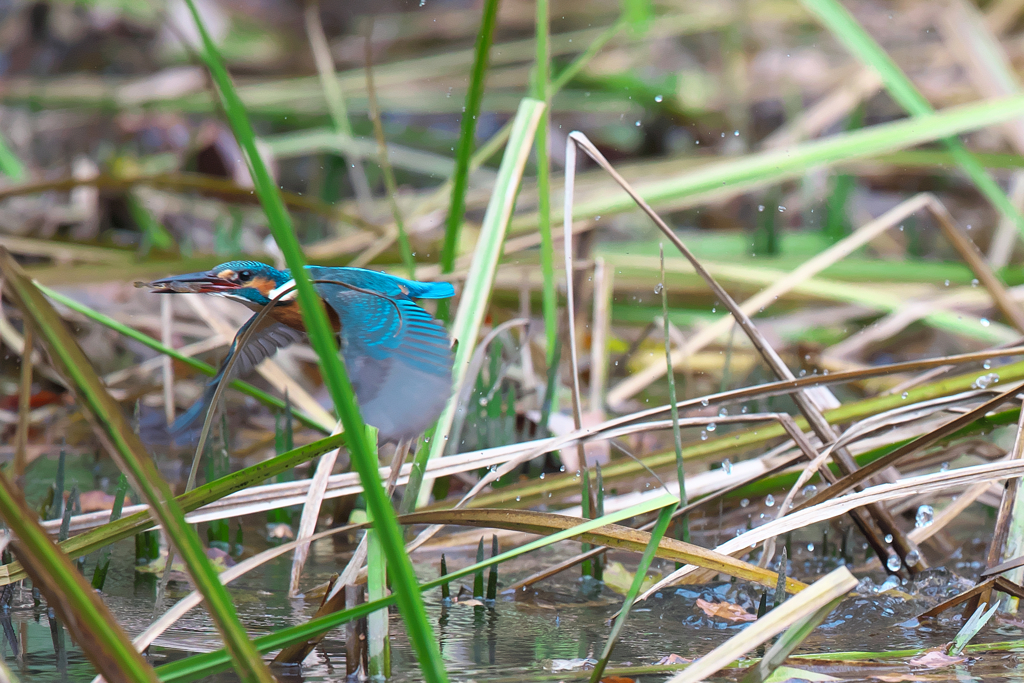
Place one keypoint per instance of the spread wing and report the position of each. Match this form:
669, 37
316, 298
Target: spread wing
262, 343
398, 358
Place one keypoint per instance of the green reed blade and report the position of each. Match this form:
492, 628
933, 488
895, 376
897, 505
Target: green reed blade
92, 625
93, 398
126, 527
198, 666
464, 150
321, 338
542, 92
683, 525
247, 389
664, 517
725, 178
477, 289
868, 51
99, 575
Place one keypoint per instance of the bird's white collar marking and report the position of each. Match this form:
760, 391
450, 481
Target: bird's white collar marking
283, 288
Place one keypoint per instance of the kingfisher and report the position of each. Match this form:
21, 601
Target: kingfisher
398, 357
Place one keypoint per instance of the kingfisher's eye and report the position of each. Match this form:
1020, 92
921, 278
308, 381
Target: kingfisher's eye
245, 276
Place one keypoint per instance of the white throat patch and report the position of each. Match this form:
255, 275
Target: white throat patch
283, 288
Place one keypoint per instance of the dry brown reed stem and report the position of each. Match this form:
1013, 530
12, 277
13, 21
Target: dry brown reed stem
334, 97
848, 245
269, 369
24, 406
881, 422
476, 364
806, 405
1001, 531
560, 567
397, 229
976, 595
570, 306
851, 481
181, 182
311, 512
193, 599
948, 480
167, 366
621, 428
976, 44
970, 254
604, 289
348, 483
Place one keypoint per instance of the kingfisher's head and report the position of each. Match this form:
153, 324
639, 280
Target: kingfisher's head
250, 282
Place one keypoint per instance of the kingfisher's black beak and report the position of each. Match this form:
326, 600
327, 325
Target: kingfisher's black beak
200, 283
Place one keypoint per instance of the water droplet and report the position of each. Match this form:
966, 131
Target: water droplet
423, 2
703, 435
984, 322
782, 209
704, 402
769, 500
638, 124
745, 502
913, 557
736, 133
974, 282
760, 208
925, 516
483, 401
904, 395
888, 538
727, 466
985, 380
810, 547
744, 410
944, 467
658, 98
712, 426
808, 490
947, 283
658, 287
987, 364
722, 412
541, 475
893, 563
518, 498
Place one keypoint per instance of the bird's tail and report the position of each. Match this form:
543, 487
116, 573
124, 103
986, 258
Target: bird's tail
192, 418
430, 290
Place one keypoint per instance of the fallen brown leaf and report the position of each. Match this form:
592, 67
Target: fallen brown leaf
935, 659
725, 610
95, 501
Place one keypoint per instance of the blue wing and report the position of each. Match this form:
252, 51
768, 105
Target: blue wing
398, 357
263, 343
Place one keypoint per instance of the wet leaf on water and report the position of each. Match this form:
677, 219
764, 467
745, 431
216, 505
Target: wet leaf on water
725, 610
619, 579
577, 664
789, 673
935, 659
95, 501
